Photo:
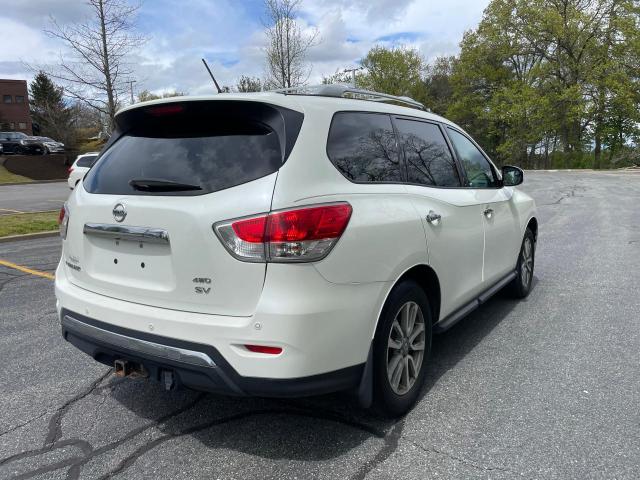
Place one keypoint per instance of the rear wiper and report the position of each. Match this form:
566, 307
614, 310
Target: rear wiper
161, 185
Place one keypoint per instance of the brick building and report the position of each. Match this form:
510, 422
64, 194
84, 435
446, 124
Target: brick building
14, 106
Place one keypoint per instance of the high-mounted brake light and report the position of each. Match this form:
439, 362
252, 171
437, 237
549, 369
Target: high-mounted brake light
165, 110
299, 235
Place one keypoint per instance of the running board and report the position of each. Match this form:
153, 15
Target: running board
453, 318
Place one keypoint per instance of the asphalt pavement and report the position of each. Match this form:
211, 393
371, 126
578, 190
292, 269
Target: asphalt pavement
544, 388
32, 197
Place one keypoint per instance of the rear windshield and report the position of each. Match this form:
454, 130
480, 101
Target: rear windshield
86, 161
212, 145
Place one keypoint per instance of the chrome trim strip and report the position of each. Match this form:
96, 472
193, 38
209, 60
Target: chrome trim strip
123, 232
167, 352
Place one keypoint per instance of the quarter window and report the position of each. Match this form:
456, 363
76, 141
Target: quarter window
363, 147
429, 161
478, 169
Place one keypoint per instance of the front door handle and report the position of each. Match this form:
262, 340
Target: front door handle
433, 217
488, 212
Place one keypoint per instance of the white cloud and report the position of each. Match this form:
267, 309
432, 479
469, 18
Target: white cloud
229, 34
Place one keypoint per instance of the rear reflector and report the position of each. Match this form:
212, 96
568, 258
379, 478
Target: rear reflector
300, 235
264, 349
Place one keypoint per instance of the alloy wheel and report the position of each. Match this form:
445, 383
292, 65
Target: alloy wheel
405, 349
526, 263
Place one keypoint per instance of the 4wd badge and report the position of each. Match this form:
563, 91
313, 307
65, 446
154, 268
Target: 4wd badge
202, 290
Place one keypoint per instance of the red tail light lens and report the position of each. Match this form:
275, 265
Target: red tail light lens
300, 235
63, 221
250, 230
70, 170
316, 223
264, 349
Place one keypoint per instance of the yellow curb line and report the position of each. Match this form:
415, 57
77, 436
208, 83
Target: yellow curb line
37, 273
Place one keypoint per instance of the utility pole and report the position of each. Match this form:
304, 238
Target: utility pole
353, 73
131, 82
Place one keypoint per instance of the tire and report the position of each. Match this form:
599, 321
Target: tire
394, 391
521, 285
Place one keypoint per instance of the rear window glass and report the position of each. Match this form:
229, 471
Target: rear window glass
86, 161
363, 147
210, 146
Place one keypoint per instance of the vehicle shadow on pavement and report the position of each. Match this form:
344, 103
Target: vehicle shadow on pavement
316, 429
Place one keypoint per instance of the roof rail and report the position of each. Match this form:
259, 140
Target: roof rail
347, 91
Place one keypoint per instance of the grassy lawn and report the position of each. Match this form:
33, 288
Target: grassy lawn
7, 177
19, 223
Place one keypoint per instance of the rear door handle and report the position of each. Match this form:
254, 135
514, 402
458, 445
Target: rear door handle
488, 212
433, 217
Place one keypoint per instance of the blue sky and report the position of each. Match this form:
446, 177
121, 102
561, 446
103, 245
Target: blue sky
230, 35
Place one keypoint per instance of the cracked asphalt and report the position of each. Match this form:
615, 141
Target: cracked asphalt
543, 388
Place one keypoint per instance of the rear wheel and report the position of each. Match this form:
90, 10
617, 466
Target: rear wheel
521, 285
401, 348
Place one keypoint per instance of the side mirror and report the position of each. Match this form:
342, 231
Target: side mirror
512, 176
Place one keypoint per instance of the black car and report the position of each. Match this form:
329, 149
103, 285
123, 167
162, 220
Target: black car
20, 143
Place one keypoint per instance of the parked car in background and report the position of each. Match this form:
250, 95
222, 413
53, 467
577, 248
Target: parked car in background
80, 166
49, 145
20, 144
283, 244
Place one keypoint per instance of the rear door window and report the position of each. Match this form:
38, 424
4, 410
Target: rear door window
363, 147
429, 161
212, 145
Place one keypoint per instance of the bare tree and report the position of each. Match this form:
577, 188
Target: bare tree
96, 72
287, 45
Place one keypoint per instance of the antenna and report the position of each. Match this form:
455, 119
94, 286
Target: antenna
212, 77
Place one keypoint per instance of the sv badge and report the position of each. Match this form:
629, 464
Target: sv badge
202, 281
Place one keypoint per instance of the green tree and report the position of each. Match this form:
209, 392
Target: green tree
249, 84
48, 109
396, 71
146, 95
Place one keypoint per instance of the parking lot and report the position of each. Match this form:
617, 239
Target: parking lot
544, 388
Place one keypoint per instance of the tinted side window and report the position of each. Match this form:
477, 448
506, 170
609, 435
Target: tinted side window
479, 171
429, 161
363, 147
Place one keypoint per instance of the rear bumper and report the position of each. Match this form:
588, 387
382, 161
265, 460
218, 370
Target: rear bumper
193, 365
324, 329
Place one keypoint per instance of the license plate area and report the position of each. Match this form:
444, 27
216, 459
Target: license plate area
130, 263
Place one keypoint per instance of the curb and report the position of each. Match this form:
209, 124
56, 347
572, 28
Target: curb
33, 182
29, 236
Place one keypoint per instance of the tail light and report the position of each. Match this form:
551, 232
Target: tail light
300, 235
70, 169
63, 221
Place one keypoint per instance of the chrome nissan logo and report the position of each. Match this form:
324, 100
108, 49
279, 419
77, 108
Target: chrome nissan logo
119, 213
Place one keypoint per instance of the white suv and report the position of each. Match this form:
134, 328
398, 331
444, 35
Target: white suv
287, 243
80, 167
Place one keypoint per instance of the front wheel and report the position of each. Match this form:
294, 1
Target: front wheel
521, 285
401, 348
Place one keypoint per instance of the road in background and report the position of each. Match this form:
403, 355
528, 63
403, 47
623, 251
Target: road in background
544, 388
33, 197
